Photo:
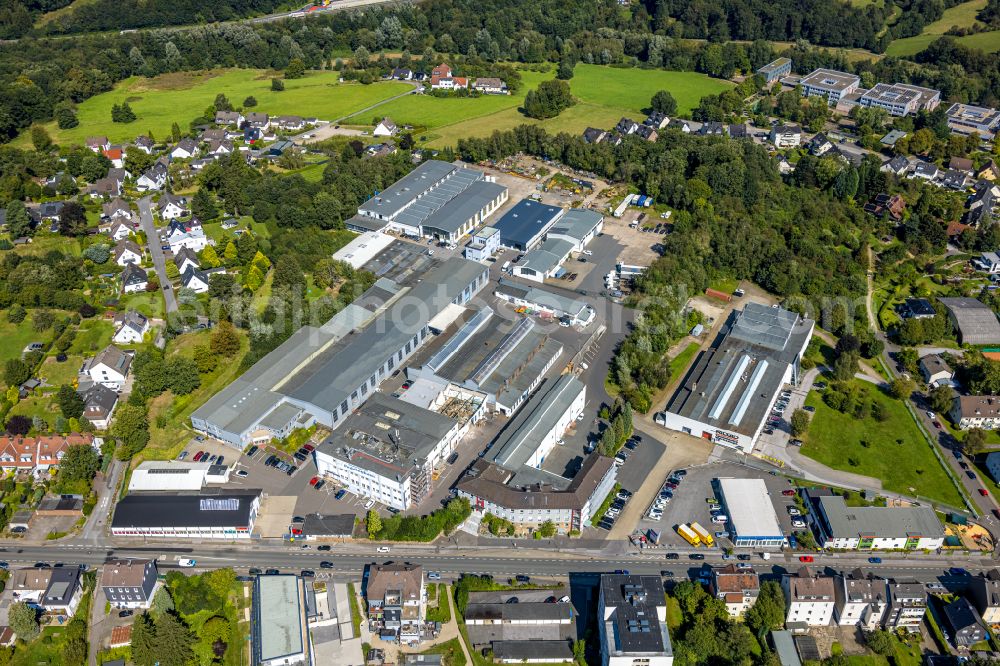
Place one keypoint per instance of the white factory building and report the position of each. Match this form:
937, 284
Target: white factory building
752, 520
176, 476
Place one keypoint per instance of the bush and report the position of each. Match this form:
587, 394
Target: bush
424, 528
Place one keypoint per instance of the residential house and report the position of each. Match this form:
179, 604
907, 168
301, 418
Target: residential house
594, 135
860, 601
99, 404
712, 128
186, 233
121, 229
130, 327
98, 144
955, 180
106, 187
648, 133
897, 166
289, 123
490, 86
171, 206
736, 587
116, 156
218, 148
50, 210
401, 74
186, 259
134, 279
784, 166
809, 598
785, 136
129, 583
976, 411
739, 131
883, 204
989, 171
185, 149
442, 79
127, 252
116, 208
155, 178
985, 592
926, 171
109, 367
258, 121
380, 149
229, 118
819, 145
144, 143
962, 625
963, 164
64, 592
626, 126
993, 465
195, 280
213, 134
657, 120
982, 206
936, 371
385, 128
907, 605
679, 124
397, 600
36, 455
119, 174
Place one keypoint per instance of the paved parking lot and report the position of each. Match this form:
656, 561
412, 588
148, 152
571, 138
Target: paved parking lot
689, 502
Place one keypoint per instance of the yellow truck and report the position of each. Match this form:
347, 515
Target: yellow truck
703, 534
689, 535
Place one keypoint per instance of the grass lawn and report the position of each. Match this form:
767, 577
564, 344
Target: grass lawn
16, 337
41, 406
725, 285
631, 89
46, 649
45, 242
146, 302
92, 335
962, 16
179, 97
56, 374
679, 363
896, 451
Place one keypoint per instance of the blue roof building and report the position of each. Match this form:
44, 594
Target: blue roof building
524, 225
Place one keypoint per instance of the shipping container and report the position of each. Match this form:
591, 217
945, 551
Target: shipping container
703, 534
689, 535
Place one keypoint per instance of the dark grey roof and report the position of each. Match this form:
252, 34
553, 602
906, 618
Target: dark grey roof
405, 191
520, 439
519, 612
976, 322
99, 398
878, 521
186, 510
525, 650
960, 614
634, 626
457, 212
337, 525
526, 222
62, 586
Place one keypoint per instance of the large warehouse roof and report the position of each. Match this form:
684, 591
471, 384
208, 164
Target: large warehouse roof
976, 322
168, 475
535, 420
230, 509
750, 508
526, 222
363, 249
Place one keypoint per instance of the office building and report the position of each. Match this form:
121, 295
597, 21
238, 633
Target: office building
279, 628
828, 83
774, 70
752, 520
877, 527
900, 99
632, 617
483, 244
969, 119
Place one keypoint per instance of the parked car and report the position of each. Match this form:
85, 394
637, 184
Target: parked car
325, 546
806, 558
242, 473
433, 575
382, 549
320, 485
982, 491
875, 560
788, 493
252, 450
340, 494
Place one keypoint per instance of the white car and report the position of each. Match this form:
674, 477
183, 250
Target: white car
588, 253
382, 549
931, 415
186, 563
369, 504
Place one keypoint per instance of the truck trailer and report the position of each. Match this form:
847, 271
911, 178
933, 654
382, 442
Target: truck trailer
703, 534
689, 535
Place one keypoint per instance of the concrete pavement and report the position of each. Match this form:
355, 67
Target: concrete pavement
156, 252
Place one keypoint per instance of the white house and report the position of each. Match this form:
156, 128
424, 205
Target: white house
845, 527
186, 259
134, 279
109, 368
127, 252
385, 128
735, 587
185, 149
936, 371
195, 280
632, 621
121, 229
786, 136
189, 234
171, 206
809, 598
131, 327
153, 179
860, 601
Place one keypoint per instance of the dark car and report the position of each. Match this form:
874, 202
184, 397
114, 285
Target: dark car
252, 450
667, 574
126, 613
320, 484
971, 474
521, 578
307, 573
452, 458
326, 565
743, 558
325, 546
673, 556
272, 572
42, 565
254, 571
221, 460
621, 572
958, 571
874, 560
340, 494
696, 556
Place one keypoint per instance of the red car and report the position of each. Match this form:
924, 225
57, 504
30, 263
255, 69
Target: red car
309, 447
805, 558
982, 491
937, 425
198, 456
312, 481
788, 493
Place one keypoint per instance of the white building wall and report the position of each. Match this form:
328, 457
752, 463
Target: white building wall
813, 613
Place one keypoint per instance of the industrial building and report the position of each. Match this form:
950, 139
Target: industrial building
877, 527
483, 244
279, 628
974, 321
435, 200
387, 448
829, 83
487, 353
176, 476
729, 391
523, 626
541, 424
632, 612
752, 520
544, 261
364, 248
226, 514
546, 303
579, 226
321, 374
524, 226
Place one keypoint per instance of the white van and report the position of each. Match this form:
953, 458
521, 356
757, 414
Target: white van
506, 265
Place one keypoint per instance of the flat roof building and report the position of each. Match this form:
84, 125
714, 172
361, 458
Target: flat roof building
525, 225
228, 514
579, 226
175, 476
900, 99
974, 321
775, 69
547, 303
752, 520
364, 248
729, 391
279, 626
829, 83
544, 261
632, 612
877, 527
969, 119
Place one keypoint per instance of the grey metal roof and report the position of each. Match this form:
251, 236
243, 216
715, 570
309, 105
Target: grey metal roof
508, 612
563, 305
976, 322
877, 521
457, 212
407, 189
280, 416
785, 647
546, 257
577, 223
525, 650
278, 617
526, 221
521, 437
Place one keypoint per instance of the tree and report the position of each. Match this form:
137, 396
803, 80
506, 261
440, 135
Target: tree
80, 463
24, 621
16, 372
203, 205
72, 219
173, 641
845, 366
902, 388
664, 102
799, 422
881, 642
19, 425
70, 403
131, 426
18, 220
373, 523
277, 85
205, 359
941, 398
565, 71
162, 602
222, 103
547, 529
230, 254
250, 102
296, 69
144, 649
209, 257
768, 613
225, 340
974, 441
253, 279
66, 116
16, 313
40, 139
183, 373
548, 100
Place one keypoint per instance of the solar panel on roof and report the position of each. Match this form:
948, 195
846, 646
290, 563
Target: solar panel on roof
219, 504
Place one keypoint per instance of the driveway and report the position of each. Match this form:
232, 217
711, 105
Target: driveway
159, 261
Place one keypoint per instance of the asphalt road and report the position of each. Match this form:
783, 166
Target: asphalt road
159, 261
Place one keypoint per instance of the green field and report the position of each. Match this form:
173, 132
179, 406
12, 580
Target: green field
962, 16
604, 95
893, 450
181, 97
16, 337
